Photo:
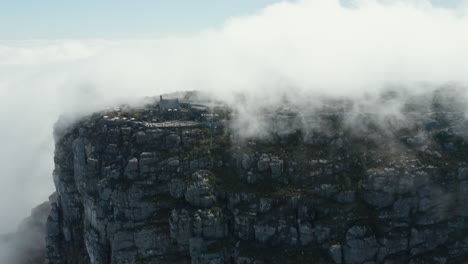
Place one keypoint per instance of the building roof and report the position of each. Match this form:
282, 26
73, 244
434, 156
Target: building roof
166, 104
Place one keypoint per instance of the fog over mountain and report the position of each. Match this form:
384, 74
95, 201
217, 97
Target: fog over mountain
288, 51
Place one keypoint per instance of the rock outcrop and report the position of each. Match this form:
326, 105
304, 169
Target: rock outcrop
190, 191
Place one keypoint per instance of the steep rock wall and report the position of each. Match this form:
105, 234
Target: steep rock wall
185, 192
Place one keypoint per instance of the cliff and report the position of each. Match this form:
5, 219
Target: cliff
137, 186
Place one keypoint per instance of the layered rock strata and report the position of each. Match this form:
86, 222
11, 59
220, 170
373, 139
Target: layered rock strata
191, 191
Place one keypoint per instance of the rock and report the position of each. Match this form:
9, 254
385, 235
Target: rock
213, 224
200, 192
346, 197
379, 199
358, 251
403, 207
356, 232
131, 171
244, 227
147, 163
425, 240
156, 188
265, 205
180, 226
197, 246
335, 252
140, 137
251, 177
247, 161
173, 141
263, 163
462, 198
276, 166
462, 174
148, 136
177, 188
459, 248
306, 233
264, 233
173, 162
436, 155
414, 142
201, 164
326, 190
321, 234
449, 146
392, 243
122, 241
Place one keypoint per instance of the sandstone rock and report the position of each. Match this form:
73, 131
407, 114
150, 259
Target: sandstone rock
200, 192
424, 240
360, 250
213, 224
306, 233
356, 232
346, 197
403, 207
263, 163
379, 199
462, 174
264, 233
131, 171
180, 226
156, 190
392, 243
247, 161
265, 204
335, 252
251, 177
173, 141
276, 166
177, 188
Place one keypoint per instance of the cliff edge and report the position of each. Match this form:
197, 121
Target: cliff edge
179, 186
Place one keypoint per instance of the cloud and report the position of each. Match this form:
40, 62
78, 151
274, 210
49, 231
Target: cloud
295, 50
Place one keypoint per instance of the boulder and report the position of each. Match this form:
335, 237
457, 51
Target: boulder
199, 192
263, 163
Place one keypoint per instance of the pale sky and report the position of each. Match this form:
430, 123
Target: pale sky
26, 19
58, 19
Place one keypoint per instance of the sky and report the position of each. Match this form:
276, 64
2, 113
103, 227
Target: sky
79, 56
26, 19
55, 19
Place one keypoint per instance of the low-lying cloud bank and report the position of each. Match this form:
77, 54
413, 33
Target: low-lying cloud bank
288, 51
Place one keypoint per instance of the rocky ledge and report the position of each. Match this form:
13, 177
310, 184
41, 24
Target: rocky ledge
134, 186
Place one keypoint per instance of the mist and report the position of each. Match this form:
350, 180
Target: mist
299, 51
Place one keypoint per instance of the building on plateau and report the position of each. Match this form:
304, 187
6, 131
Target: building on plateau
168, 105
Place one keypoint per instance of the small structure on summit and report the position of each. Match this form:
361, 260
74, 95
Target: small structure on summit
168, 105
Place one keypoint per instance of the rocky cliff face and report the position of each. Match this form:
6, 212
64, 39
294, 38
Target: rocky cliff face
137, 189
